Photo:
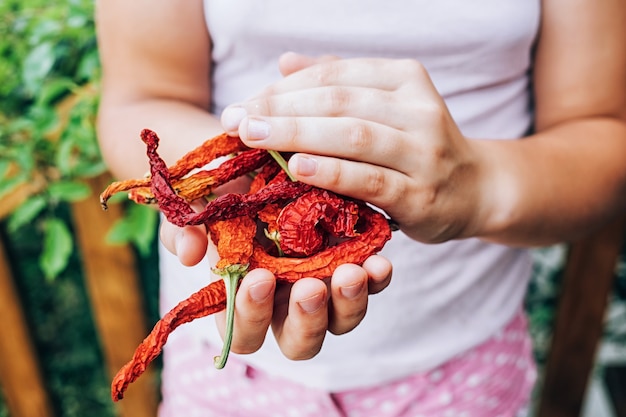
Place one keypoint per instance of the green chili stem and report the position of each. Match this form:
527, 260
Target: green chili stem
282, 163
275, 237
231, 276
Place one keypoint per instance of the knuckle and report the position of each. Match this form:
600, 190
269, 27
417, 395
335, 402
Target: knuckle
433, 113
326, 74
339, 99
332, 175
305, 346
359, 138
292, 134
413, 67
375, 182
347, 322
246, 347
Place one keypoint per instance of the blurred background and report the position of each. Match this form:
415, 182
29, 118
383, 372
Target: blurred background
75, 281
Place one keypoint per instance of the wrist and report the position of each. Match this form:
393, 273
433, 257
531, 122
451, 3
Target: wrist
496, 194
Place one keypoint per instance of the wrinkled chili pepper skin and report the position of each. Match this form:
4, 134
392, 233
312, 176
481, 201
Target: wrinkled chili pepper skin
298, 217
208, 300
322, 264
302, 223
178, 211
233, 238
211, 149
204, 182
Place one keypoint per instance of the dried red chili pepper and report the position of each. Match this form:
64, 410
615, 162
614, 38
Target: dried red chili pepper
300, 216
233, 238
208, 300
208, 151
204, 182
302, 223
376, 232
179, 212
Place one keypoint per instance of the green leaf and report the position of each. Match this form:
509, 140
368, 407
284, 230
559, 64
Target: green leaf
71, 191
8, 185
145, 220
26, 212
37, 65
53, 90
57, 248
118, 233
138, 226
88, 170
89, 65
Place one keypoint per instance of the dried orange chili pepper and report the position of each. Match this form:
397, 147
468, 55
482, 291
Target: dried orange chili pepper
233, 238
322, 264
323, 229
208, 300
302, 223
218, 146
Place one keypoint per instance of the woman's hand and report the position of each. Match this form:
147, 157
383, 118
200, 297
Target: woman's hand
373, 129
300, 314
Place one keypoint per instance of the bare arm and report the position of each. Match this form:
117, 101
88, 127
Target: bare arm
410, 159
571, 175
156, 74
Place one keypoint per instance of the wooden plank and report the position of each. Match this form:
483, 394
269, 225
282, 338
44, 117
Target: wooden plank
113, 285
20, 376
587, 283
19, 194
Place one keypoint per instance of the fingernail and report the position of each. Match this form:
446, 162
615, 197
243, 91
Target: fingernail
352, 291
232, 117
305, 166
259, 292
312, 304
257, 129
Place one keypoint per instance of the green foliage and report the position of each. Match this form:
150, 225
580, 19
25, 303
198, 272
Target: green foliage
49, 74
49, 85
137, 227
49, 92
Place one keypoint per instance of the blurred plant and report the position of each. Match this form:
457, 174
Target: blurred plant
49, 84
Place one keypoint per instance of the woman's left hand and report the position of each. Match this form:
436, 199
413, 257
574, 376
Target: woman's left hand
373, 129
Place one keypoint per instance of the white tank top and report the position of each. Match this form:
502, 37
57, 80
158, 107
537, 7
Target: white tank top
443, 298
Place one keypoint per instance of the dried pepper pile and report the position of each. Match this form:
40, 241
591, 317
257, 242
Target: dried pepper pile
307, 231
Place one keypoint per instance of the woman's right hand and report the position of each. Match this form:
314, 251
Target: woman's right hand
299, 314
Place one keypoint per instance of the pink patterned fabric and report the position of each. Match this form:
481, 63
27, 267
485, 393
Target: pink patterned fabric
494, 379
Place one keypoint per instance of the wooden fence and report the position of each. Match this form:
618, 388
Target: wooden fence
112, 282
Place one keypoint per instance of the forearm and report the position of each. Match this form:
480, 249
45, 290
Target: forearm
181, 127
553, 186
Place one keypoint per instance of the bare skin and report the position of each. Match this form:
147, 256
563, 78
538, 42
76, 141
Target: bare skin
160, 79
563, 181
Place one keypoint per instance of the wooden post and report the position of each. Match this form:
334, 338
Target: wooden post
587, 282
20, 376
117, 303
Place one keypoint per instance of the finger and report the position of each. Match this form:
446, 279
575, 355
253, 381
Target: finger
379, 73
253, 311
349, 292
362, 103
301, 334
291, 62
345, 138
188, 243
382, 187
379, 271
